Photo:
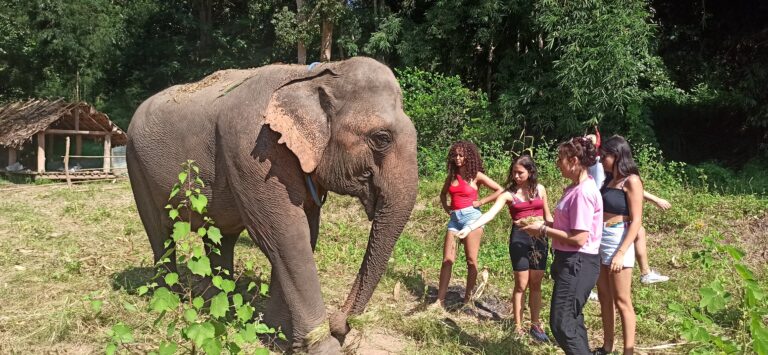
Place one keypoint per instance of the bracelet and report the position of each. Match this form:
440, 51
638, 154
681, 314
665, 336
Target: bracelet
542, 229
545, 231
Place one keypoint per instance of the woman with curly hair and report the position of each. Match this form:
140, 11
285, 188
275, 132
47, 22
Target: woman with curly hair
465, 176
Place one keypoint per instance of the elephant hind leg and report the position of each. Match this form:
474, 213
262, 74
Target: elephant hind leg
153, 217
223, 259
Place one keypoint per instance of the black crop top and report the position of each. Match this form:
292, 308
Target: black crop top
614, 199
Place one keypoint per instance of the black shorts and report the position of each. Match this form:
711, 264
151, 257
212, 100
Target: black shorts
527, 253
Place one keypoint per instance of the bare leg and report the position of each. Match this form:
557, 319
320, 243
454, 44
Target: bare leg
534, 298
605, 294
449, 256
641, 251
521, 283
471, 249
621, 285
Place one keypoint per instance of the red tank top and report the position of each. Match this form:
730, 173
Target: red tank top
519, 209
462, 195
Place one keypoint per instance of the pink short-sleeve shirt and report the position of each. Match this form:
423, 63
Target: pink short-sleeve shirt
580, 208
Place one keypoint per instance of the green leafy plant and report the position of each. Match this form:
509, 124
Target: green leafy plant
731, 312
188, 321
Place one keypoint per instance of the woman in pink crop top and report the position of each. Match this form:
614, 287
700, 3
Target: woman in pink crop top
525, 198
465, 175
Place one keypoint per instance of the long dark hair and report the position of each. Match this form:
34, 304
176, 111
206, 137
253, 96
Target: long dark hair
533, 175
618, 147
472, 160
581, 148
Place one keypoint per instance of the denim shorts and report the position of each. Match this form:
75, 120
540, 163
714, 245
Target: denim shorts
613, 235
463, 218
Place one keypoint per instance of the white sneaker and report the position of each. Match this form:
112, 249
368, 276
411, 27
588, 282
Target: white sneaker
653, 277
593, 296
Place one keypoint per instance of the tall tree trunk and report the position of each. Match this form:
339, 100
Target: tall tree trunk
300, 48
206, 26
326, 41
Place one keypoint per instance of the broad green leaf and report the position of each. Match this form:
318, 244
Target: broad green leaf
187, 193
711, 299
122, 333
212, 346
194, 167
233, 347
173, 213
198, 251
130, 307
183, 177
171, 329
745, 273
244, 312
199, 182
262, 328
96, 306
198, 203
228, 285
214, 234
171, 278
281, 336
201, 266
216, 281
202, 231
263, 289
198, 302
190, 315
736, 253
111, 349
167, 348
248, 333
237, 300
142, 290
676, 307
181, 230
759, 335
163, 300
219, 305
251, 285
200, 332
261, 351
174, 191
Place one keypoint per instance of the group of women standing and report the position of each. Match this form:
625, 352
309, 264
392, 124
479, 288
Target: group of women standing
593, 230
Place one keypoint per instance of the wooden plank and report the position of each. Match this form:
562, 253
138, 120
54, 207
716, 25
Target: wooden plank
78, 138
41, 152
66, 163
74, 132
107, 152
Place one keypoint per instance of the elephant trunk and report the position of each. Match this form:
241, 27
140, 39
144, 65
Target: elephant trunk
392, 212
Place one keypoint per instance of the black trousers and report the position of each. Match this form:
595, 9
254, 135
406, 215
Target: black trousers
575, 275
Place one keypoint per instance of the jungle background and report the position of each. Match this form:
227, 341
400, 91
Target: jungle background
685, 81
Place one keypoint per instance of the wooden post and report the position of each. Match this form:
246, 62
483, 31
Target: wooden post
78, 138
41, 152
107, 153
11, 156
66, 163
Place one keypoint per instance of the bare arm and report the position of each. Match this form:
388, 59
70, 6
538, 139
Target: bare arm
444, 195
658, 201
634, 189
547, 214
487, 181
487, 216
574, 237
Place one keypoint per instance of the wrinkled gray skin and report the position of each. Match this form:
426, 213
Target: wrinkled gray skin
255, 135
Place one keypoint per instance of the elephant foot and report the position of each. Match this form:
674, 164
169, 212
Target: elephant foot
328, 345
339, 326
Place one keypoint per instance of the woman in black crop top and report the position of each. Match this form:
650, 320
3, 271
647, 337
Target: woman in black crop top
622, 195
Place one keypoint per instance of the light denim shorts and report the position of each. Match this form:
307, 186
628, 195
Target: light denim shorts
463, 218
613, 235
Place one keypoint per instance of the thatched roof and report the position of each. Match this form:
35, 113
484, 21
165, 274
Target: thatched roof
20, 121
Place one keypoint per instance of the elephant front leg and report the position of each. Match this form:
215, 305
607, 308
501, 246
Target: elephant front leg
296, 304
222, 263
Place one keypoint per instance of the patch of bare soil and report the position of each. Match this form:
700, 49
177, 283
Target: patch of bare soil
751, 235
374, 342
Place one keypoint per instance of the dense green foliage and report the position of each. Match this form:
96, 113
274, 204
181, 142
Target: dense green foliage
667, 72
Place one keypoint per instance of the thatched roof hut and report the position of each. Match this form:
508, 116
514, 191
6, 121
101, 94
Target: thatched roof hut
39, 121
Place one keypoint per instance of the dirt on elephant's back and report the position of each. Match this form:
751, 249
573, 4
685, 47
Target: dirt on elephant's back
221, 81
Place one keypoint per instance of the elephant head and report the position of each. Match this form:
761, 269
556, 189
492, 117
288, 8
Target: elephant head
345, 123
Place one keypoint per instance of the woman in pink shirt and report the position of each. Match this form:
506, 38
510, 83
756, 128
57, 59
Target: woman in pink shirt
575, 234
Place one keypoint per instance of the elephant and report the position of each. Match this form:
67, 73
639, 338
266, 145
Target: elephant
269, 142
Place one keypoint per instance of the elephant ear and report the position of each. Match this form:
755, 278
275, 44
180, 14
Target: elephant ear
301, 112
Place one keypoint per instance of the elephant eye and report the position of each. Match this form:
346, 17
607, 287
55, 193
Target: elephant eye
365, 175
381, 140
